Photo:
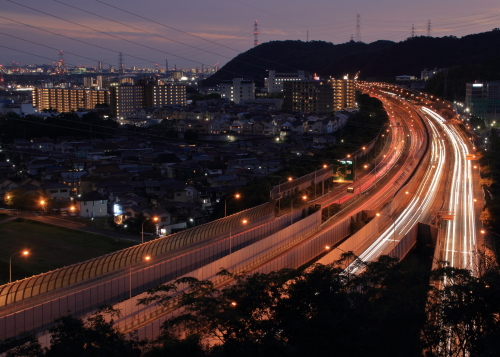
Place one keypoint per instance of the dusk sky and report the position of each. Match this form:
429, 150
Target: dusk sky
190, 33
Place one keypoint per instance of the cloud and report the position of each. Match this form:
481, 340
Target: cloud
218, 36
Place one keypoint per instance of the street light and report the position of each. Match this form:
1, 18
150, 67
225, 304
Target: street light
23, 253
291, 207
146, 258
393, 225
42, 203
289, 179
225, 202
142, 226
244, 221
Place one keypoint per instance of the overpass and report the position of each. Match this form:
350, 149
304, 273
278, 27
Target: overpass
267, 243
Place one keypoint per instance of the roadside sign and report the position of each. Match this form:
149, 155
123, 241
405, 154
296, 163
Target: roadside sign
343, 171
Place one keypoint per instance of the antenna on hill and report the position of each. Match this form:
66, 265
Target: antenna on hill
358, 28
352, 37
429, 28
412, 30
307, 37
255, 34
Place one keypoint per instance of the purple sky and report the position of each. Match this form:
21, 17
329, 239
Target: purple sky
221, 28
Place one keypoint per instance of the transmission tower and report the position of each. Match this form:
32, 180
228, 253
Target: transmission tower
412, 30
255, 34
429, 28
358, 28
60, 62
307, 36
121, 64
352, 37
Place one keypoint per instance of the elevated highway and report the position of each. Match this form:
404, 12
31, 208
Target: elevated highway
268, 242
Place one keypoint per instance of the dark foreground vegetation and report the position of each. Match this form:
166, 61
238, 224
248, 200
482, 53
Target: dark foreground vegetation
384, 309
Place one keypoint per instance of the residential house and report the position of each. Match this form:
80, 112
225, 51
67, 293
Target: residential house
92, 204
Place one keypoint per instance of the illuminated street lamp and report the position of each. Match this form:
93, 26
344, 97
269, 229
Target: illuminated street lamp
289, 179
244, 221
155, 219
146, 258
291, 207
225, 202
23, 254
42, 203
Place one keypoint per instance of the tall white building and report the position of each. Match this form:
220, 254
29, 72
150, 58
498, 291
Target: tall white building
274, 82
237, 90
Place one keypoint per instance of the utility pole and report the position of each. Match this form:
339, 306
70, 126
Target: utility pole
255, 34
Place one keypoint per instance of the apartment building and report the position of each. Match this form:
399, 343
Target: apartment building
274, 81
237, 90
483, 99
319, 96
125, 99
67, 100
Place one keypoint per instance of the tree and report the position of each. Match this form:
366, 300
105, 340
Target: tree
71, 336
294, 312
463, 312
94, 337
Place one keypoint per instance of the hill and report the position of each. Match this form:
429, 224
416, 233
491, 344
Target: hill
381, 60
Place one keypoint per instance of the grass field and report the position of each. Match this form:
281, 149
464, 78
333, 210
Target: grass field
50, 247
3, 216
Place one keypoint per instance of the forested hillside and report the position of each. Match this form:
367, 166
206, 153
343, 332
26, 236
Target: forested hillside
380, 60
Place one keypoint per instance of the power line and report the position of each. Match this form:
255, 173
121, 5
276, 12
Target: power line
181, 31
94, 45
39, 44
118, 37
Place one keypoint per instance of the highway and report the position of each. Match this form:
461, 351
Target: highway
411, 159
458, 210
460, 246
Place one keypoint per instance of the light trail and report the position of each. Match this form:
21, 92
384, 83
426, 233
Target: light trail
460, 245
418, 207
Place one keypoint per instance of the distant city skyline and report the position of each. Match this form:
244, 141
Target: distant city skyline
199, 34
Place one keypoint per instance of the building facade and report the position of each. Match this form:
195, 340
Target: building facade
126, 99
67, 100
237, 90
274, 81
319, 96
483, 99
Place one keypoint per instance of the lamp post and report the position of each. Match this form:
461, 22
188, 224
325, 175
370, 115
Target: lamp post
323, 182
289, 179
393, 225
225, 202
244, 221
23, 253
146, 258
142, 227
291, 207
42, 203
